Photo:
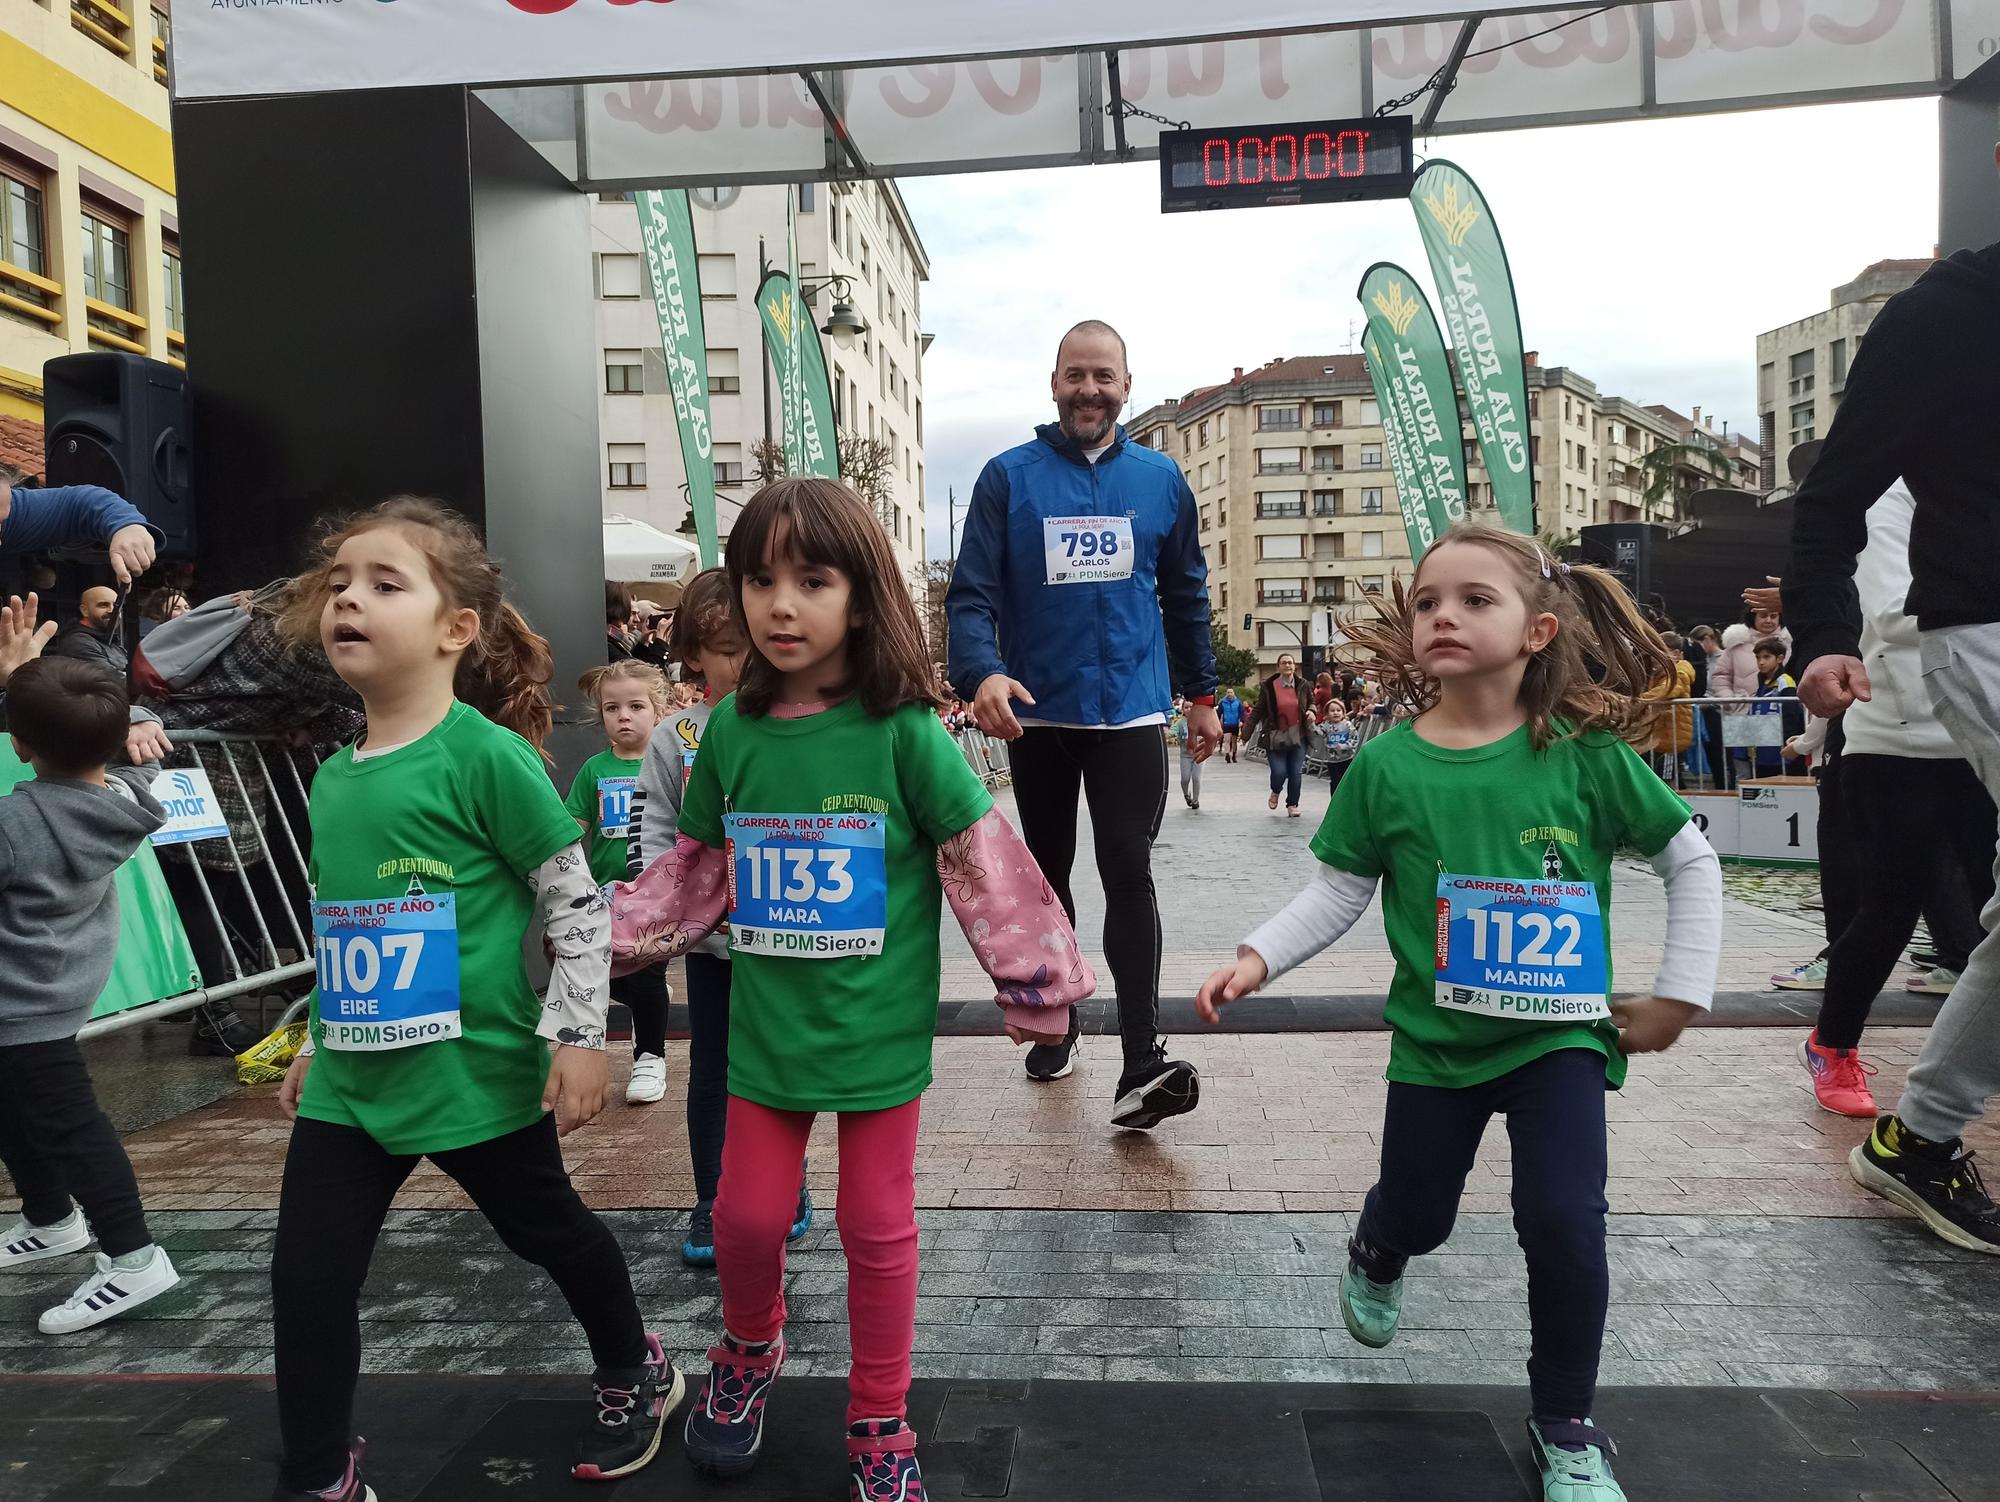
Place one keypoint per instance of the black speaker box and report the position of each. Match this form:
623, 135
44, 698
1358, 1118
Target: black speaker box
1626, 548
121, 421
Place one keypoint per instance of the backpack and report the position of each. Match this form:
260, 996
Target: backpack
179, 651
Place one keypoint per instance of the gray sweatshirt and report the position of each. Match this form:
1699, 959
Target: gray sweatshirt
61, 844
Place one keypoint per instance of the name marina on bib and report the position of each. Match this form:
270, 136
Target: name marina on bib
1519, 950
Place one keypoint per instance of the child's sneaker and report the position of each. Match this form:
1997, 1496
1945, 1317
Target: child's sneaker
649, 1080
1935, 1180
725, 1426
350, 1487
1839, 1077
1811, 976
109, 1292
802, 1217
882, 1462
1575, 1461
1937, 981
1370, 1310
24, 1242
698, 1246
624, 1434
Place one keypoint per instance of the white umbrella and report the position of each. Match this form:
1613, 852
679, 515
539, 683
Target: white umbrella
634, 551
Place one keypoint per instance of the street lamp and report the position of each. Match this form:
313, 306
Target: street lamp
842, 322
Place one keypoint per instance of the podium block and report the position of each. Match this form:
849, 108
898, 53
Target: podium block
1778, 820
1718, 817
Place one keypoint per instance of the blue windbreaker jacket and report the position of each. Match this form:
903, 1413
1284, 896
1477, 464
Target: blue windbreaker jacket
1091, 654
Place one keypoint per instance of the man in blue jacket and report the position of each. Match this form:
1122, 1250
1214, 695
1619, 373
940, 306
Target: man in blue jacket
1081, 596
77, 516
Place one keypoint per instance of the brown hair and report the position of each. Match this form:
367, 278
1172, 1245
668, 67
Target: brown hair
1772, 646
69, 713
826, 523
703, 617
505, 673
591, 684
617, 603
1588, 677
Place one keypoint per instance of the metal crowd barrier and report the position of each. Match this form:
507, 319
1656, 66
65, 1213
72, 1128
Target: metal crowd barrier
1736, 729
1319, 755
243, 896
985, 755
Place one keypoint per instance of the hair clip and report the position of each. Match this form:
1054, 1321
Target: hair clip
1544, 558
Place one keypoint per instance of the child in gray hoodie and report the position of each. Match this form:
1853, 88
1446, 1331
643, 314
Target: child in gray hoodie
63, 837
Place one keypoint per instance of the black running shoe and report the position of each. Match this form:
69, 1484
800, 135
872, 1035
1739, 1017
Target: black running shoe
1936, 1181
1157, 1089
1051, 1061
624, 1434
349, 1488
219, 1033
698, 1246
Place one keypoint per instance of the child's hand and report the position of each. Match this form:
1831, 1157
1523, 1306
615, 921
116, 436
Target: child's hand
1230, 983
294, 1083
579, 1079
1651, 1024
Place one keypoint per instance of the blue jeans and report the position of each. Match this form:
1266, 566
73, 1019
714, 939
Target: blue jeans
1288, 770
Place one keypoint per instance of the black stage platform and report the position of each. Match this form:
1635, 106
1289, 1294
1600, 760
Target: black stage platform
505, 1439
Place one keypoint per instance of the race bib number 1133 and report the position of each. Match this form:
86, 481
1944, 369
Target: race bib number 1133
807, 886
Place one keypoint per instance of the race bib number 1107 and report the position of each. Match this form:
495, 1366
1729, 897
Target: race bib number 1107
387, 972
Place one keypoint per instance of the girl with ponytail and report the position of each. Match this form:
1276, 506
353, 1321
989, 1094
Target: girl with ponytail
1489, 820
436, 838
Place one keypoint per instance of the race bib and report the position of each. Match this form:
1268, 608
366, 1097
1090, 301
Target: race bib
1522, 951
810, 886
1086, 549
614, 806
388, 972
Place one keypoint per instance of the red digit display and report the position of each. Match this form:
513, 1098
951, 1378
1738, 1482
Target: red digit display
1317, 162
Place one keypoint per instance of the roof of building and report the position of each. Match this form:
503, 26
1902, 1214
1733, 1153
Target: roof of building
21, 446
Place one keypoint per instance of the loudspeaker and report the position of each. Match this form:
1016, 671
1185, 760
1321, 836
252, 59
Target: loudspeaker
1626, 548
121, 421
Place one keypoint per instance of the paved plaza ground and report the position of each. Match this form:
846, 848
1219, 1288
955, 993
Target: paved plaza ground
1209, 1250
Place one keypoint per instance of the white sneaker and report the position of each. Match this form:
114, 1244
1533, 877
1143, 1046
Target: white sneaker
108, 1292
24, 1242
649, 1080
1937, 981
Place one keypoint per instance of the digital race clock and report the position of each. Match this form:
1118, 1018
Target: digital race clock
1252, 166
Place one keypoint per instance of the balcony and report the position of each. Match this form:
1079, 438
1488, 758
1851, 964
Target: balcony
104, 23
115, 328
1281, 597
29, 296
1329, 593
1278, 510
1280, 469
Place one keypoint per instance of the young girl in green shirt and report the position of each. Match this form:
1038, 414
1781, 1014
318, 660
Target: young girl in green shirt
436, 839
1490, 821
827, 805
631, 699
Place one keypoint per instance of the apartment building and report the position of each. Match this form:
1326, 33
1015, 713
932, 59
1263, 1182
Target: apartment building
89, 244
1298, 510
861, 232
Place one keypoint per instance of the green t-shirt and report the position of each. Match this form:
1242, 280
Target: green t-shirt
1409, 811
466, 810
602, 807
852, 1032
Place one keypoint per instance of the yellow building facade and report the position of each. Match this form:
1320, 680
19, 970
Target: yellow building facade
89, 243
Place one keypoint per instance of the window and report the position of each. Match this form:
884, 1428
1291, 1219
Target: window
725, 376
1326, 414
624, 372
806, 197
1328, 591
1371, 413
1281, 545
1280, 461
1371, 544
1221, 426
1222, 548
618, 276
107, 257
1802, 373
1534, 404
163, 38
1836, 359
1371, 456
1281, 591
1565, 409
1187, 442
1371, 503
173, 293
1280, 503
833, 219
1202, 437
1202, 484
728, 460
1326, 459
1225, 588
1204, 518
23, 230
717, 274
1326, 503
864, 258
628, 465
1328, 547
1802, 423
1277, 419
1371, 584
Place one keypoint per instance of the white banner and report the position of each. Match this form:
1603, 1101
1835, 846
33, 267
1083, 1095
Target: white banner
231, 47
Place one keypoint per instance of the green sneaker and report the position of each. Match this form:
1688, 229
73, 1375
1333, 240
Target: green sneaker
1370, 1310
1582, 1474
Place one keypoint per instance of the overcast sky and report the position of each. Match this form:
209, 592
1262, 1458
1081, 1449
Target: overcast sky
1647, 256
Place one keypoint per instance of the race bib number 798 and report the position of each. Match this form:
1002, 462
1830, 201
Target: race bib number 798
1086, 549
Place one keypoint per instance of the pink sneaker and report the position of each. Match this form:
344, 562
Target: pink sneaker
1839, 1076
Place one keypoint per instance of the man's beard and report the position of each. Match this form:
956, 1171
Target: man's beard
1084, 427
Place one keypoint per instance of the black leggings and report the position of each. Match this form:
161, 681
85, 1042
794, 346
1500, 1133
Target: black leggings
1909, 816
1123, 777
57, 1143
644, 993
338, 1185
708, 1067
1555, 1120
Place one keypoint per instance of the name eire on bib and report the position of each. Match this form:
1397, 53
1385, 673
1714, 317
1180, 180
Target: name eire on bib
387, 971
807, 886
1521, 950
